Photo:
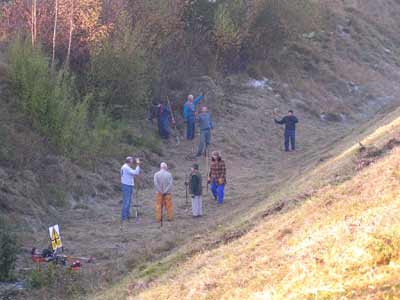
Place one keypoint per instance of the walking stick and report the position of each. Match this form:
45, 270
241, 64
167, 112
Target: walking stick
207, 157
136, 205
186, 187
174, 122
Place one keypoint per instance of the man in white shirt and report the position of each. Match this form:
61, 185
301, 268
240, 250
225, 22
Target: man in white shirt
128, 183
163, 184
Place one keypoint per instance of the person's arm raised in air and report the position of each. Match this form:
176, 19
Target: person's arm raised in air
135, 171
280, 122
198, 99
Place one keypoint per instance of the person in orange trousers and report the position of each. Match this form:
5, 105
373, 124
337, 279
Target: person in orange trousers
163, 182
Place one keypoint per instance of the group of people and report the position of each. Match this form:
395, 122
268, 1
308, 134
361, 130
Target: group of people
163, 185
216, 176
164, 115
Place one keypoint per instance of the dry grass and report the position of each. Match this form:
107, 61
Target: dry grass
342, 243
330, 247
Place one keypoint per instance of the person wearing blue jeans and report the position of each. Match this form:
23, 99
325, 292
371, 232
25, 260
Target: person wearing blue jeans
128, 183
218, 191
205, 124
217, 177
189, 115
127, 192
290, 138
290, 122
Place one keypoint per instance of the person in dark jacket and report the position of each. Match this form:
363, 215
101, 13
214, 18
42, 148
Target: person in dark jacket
290, 122
206, 125
163, 117
196, 189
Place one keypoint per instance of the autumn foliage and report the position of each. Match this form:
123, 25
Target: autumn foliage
189, 29
124, 54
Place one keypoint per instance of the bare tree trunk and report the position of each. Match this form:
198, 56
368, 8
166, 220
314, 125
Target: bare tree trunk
33, 23
71, 28
54, 33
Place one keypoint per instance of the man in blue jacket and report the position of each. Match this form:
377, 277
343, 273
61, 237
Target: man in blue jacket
205, 124
189, 114
290, 122
163, 117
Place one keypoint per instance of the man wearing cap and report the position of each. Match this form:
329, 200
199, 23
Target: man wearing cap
196, 188
290, 122
189, 114
217, 177
205, 125
128, 183
163, 185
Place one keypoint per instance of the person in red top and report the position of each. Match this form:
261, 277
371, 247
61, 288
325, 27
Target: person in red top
217, 177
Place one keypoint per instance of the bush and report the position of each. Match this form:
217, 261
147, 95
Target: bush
120, 79
229, 32
8, 252
58, 280
50, 100
125, 73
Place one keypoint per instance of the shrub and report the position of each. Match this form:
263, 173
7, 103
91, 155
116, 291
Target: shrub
122, 75
50, 100
45, 96
8, 252
229, 32
59, 281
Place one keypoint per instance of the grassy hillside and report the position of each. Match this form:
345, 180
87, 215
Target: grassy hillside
341, 242
65, 132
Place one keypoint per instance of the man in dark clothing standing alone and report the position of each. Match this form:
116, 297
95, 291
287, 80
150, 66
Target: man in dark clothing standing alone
290, 122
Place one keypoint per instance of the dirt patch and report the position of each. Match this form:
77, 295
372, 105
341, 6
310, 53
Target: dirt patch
369, 155
274, 210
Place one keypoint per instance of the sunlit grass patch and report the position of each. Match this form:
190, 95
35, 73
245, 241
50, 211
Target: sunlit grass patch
342, 243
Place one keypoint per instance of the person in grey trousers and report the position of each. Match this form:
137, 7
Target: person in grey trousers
206, 125
196, 189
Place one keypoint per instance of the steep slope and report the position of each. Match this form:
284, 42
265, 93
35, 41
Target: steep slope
340, 243
341, 83
327, 191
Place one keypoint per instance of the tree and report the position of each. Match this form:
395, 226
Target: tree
71, 28
54, 32
34, 22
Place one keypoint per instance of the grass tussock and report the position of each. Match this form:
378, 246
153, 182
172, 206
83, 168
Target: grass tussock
342, 243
